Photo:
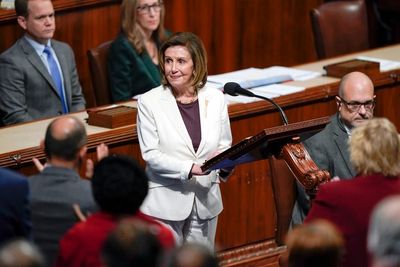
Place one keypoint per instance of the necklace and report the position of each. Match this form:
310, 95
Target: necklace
183, 99
187, 101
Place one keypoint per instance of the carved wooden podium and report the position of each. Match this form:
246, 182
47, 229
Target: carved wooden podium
282, 142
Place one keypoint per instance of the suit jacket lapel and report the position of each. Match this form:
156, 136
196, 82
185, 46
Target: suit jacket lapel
204, 119
37, 63
170, 107
341, 139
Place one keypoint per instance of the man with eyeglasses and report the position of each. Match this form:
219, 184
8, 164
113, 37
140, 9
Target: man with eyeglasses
329, 148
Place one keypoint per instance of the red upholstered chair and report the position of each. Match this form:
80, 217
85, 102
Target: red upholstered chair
98, 72
340, 27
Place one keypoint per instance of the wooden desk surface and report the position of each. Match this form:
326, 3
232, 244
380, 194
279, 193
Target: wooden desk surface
28, 135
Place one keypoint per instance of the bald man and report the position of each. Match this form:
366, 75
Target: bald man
59, 186
355, 103
329, 148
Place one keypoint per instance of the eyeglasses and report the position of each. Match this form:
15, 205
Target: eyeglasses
145, 9
355, 106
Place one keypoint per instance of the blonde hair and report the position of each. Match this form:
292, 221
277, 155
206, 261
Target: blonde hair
131, 28
375, 148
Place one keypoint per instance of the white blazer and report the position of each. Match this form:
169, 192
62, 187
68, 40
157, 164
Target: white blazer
168, 151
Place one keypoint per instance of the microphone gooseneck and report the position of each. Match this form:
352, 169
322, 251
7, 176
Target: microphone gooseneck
234, 89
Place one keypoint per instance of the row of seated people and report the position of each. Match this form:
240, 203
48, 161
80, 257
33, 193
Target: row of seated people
44, 207
38, 76
131, 243
321, 243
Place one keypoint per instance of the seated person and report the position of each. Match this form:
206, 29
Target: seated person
317, 244
15, 220
38, 76
328, 148
132, 243
384, 233
194, 255
133, 56
119, 187
375, 155
58, 186
21, 253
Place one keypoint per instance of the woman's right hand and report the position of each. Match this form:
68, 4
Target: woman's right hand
196, 170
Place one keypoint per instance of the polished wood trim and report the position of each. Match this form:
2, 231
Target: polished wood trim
259, 252
59, 6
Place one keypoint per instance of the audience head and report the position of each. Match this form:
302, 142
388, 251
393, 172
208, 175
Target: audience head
191, 56
140, 18
375, 148
119, 185
384, 233
20, 253
65, 139
315, 244
132, 243
356, 100
194, 255
36, 17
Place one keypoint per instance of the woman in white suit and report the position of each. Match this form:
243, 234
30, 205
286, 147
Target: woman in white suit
181, 124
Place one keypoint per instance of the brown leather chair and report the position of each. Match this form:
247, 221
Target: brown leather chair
98, 72
340, 27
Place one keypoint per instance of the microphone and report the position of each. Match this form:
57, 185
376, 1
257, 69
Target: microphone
234, 89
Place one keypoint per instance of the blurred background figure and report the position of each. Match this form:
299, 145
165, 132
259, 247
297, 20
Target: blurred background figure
317, 244
20, 253
375, 155
15, 219
194, 255
132, 243
58, 186
133, 56
119, 187
384, 233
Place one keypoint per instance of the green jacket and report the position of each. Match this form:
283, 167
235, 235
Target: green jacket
130, 73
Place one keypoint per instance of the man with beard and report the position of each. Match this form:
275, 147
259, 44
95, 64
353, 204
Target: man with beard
329, 148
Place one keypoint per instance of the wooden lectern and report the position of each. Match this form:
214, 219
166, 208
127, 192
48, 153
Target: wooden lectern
282, 142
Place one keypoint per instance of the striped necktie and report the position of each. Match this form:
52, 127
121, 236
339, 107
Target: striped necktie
56, 75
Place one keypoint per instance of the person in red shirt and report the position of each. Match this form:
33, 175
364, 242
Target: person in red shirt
119, 187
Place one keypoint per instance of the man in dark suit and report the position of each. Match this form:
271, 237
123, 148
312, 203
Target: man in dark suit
328, 148
58, 187
38, 76
14, 208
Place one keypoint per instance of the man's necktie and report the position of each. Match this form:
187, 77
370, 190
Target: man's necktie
56, 75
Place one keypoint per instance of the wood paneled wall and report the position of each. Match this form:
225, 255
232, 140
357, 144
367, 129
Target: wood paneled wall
237, 33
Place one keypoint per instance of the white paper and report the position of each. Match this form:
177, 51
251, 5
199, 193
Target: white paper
296, 74
384, 64
248, 78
